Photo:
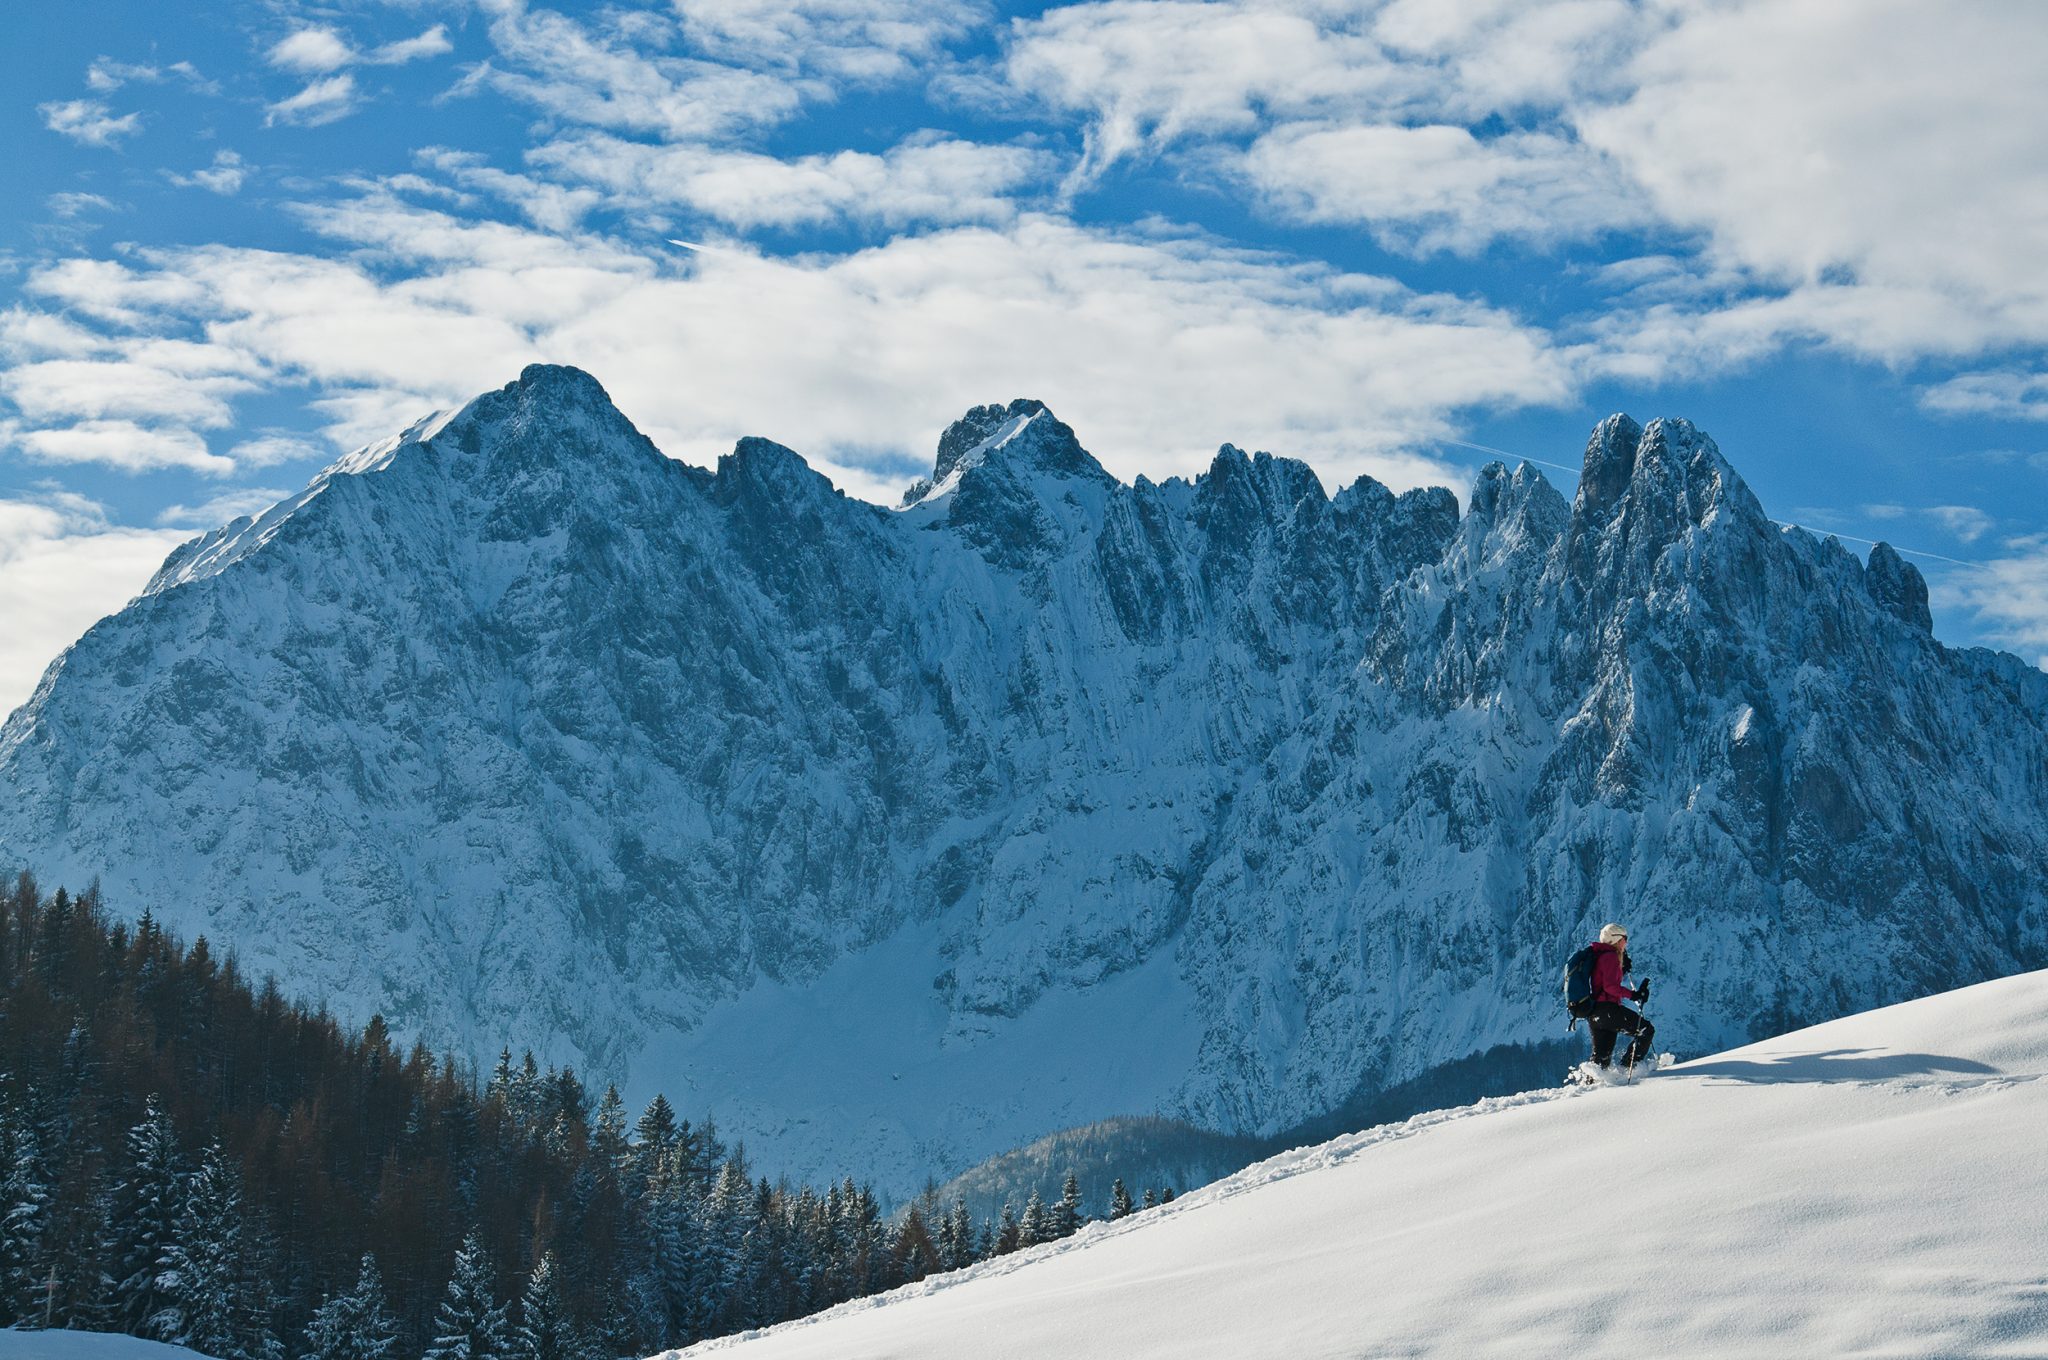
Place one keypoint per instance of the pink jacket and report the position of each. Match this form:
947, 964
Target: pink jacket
1607, 975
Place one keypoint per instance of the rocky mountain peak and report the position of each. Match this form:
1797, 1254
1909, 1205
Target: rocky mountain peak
1898, 587
1610, 462
1023, 434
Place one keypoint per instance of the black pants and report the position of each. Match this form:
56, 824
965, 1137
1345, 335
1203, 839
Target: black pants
1609, 1018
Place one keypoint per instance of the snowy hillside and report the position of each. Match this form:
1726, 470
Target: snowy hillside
897, 838
1871, 1186
59, 1344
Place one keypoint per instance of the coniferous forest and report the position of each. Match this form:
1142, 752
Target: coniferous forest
191, 1156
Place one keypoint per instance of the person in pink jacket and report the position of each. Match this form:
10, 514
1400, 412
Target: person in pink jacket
1603, 1011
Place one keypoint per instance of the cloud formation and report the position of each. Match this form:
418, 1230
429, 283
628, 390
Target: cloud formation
59, 536
1156, 346
89, 122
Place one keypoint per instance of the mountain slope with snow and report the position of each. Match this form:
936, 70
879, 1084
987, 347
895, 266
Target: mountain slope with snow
1870, 1186
896, 838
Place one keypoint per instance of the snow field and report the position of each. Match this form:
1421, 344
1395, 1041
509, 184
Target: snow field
1872, 1186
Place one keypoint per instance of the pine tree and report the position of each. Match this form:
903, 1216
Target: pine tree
1151, 1198
1008, 1237
1120, 1205
470, 1324
1066, 1216
146, 1207
545, 1331
355, 1324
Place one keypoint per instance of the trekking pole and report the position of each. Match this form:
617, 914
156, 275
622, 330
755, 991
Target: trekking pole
1642, 1010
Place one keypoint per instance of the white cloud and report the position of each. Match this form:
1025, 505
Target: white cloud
866, 41
69, 205
132, 386
551, 207
320, 49
1145, 73
89, 122
323, 101
1437, 187
2002, 395
924, 179
106, 75
431, 43
2008, 596
120, 444
266, 450
312, 51
1878, 162
229, 505
1155, 346
1966, 522
63, 567
571, 73
225, 176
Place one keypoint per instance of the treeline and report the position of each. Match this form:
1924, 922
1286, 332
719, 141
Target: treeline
190, 1157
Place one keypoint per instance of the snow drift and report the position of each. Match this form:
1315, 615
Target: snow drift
1871, 1186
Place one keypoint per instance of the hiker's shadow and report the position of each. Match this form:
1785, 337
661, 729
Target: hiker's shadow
1838, 1064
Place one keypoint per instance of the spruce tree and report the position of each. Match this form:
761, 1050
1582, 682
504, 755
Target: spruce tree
470, 1324
202, 1276
545, 1331
1034, 1227
354, 1324
146, 1207
1008, 1236
963, 1237
24, 1223
1066, 1215
1120, 1205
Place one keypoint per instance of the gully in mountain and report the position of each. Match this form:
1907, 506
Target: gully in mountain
1594, 993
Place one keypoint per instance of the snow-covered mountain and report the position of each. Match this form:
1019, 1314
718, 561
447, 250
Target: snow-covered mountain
1871, 1186
897, 837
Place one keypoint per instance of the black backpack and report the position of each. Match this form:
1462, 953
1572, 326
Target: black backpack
1578, 982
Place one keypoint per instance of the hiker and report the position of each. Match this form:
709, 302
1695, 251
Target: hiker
1602, 1010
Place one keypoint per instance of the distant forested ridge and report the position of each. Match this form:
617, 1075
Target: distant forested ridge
189, 1156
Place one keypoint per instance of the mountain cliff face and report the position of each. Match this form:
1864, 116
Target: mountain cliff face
901, 836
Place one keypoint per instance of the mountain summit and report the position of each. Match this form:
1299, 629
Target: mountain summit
1042, 797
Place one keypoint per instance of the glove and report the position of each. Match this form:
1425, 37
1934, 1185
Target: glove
1643, 990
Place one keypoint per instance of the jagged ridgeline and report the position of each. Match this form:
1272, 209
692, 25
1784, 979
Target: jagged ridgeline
1039, 798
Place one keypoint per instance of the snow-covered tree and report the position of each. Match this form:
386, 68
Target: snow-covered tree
209, 1299
24, 1221
545, 1331
354, 1324
1120, 1205
1035, 1226
470, 1324
1066, 1215
146, 1206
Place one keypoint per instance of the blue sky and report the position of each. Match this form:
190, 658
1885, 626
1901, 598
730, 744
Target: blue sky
241, 238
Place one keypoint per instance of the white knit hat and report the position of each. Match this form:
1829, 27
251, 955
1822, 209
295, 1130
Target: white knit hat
1612, 932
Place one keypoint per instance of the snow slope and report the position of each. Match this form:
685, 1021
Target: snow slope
1871, 1186
60, 1344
